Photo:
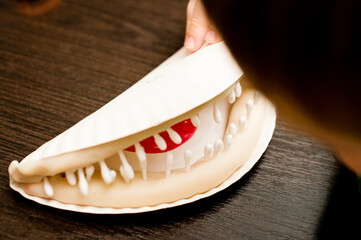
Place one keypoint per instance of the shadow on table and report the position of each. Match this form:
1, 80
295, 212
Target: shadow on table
341, 218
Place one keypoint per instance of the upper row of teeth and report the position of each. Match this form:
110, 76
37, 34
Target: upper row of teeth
127, 172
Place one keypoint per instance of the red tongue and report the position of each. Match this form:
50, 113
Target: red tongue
185, 129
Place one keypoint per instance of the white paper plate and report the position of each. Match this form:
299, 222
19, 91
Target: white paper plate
266, 135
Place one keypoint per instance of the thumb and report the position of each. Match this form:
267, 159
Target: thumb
197, 26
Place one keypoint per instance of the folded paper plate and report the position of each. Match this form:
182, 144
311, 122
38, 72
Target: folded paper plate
184, 132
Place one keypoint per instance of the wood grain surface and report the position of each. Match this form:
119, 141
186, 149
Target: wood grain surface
58, 67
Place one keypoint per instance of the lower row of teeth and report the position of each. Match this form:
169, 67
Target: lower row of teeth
126, 170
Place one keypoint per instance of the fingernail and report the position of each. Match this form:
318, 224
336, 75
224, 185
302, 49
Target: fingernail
190, 42
211, 36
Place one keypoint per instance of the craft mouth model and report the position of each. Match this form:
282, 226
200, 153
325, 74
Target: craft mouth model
182, 130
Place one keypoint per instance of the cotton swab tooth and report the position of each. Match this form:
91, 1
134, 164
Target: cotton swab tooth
174, 136
49, 191
232, 97
216, 113
208, 151
249, 107
187, 159
89, 171
218, 146
107, 174
169, 163
125, 169
70, 177
256, 96
143, 165
238, 90
123, 174
196, 121
229, 141
139, 150
83, 184
161, 144
232, 129
242, 122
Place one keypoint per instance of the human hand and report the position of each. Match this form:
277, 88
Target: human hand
199, 28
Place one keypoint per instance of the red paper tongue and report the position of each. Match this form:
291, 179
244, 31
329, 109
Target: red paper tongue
185, 129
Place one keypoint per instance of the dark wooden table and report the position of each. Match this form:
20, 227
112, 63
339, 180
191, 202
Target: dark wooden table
58, 67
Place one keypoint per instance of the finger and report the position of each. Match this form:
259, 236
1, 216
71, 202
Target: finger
197, 28
190, 10
212, 36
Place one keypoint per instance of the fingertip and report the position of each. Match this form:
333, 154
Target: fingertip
210, 37
193, 44
190, 43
